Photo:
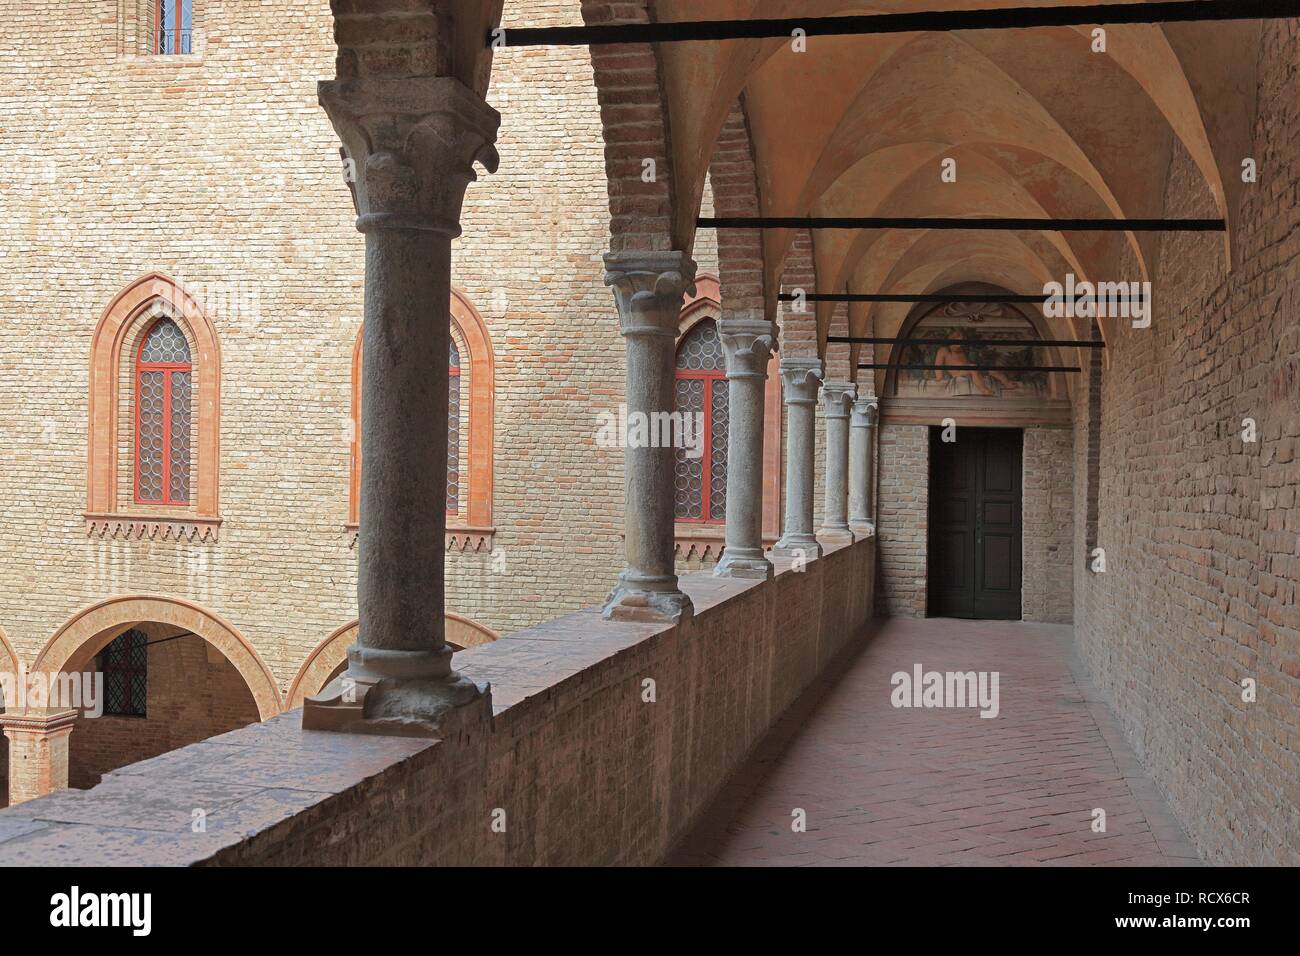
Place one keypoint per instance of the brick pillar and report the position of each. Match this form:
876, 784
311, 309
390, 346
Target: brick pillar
838, 399
38, 753
800, 378
747, 344
862, 431
410, 144
648, 289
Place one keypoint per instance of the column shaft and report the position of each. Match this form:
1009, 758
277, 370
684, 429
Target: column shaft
862, 430
838, 398
38, 753
748, 345
800, 378
649, 289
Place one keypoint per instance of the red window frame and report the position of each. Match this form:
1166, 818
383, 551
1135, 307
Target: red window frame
711, 378
178, 29
169, 370
454, 372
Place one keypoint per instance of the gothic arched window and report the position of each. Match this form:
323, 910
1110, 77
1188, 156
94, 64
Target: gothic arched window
163, 389
453, 429
701, 492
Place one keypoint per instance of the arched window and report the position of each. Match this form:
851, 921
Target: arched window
163, 389
702, 394
470, 401
155, 416
453, 429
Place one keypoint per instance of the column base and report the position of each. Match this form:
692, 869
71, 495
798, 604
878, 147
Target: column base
420, 703
652, 600
838, 534
805, 546
743, 563
862, 529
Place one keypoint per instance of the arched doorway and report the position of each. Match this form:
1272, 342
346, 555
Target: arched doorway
167, 673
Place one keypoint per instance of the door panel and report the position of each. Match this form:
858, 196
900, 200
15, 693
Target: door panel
975, 524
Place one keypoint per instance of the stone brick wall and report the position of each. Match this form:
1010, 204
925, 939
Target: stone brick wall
582, 770
193, 693
1047, 590
903, 509
1199, 526
221, 170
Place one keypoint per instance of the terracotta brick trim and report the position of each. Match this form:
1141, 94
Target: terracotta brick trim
88, 631
330, 654
8, 656
104, 514
692, 537
472, 530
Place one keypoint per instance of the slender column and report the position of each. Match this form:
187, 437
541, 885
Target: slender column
800, 378
747, 344
838, 399
862, 431
410, 144
648, 289
38, 753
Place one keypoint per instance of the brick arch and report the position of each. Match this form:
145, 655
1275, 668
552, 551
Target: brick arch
8, 658
331, 654
471, 334
635, 123
88, 631
734, 176
121, 324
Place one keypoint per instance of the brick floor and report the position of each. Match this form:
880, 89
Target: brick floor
915, 786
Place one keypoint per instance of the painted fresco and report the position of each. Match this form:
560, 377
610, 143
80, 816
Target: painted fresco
978, 325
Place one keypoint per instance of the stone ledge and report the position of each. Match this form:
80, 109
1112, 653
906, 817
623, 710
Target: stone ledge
569, 718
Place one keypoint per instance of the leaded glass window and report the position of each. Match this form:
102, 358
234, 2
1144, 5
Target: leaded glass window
164, 428
175, 26
701, 487
125, 666
453, 430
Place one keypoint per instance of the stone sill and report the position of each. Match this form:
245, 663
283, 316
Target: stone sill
266, 783
456, 538
153, 527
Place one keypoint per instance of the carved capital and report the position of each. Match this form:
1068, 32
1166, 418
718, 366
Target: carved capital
866, 412
838, 397
747, 345
649, 288
800, 378
409, 147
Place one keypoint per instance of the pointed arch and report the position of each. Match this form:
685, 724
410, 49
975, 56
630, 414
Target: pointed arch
141, 304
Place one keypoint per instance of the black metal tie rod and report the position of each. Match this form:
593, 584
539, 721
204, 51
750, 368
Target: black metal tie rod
1007, 343
974, 368
992, 298
1012, 18
980, 224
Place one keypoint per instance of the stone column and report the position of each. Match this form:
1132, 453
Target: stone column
862, 432
838, 400
800, 378
410, 145
38, 753
649, 288
747, 344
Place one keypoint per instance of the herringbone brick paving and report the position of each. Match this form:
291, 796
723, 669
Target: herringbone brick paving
943, 786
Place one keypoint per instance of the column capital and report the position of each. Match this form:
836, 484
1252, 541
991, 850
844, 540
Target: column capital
410, 144
649, 288
838, 397
800, 378
866, 412
748, 345
38, 721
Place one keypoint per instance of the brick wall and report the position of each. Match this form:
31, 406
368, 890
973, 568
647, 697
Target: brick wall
1047, 590
1200, 527
193, 693
904, 483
